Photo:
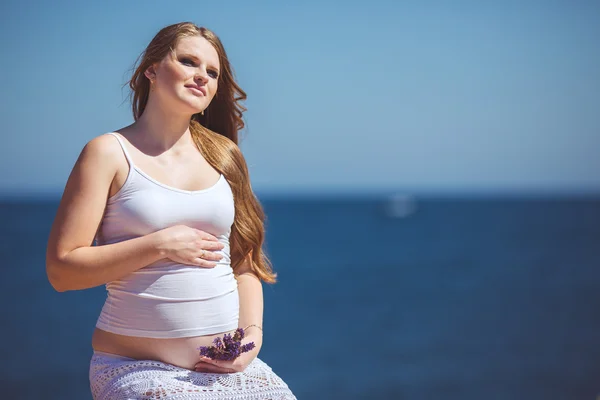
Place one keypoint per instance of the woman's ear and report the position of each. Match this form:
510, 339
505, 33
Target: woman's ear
150, 73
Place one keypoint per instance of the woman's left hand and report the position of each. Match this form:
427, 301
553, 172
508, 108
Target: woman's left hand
229, 367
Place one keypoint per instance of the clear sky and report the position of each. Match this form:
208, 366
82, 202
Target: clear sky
410, 96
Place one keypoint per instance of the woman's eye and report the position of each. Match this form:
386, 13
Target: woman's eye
187, 61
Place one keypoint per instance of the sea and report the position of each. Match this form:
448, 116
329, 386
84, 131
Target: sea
418, 298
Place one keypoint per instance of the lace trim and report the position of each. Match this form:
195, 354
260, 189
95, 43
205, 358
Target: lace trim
113, 378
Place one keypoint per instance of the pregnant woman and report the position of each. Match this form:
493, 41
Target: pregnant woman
178, 231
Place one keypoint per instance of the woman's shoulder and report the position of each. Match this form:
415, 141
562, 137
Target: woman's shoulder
104, 144
103, 150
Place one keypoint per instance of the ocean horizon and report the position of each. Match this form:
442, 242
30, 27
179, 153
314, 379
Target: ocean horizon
397, 297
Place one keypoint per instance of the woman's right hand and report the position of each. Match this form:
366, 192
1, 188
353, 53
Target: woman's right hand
186, 245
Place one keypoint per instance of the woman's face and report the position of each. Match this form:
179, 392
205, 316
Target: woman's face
187, 77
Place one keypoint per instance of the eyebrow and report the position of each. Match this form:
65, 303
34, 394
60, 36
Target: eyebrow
185, 54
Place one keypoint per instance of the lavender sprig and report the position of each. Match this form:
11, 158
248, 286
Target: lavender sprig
227, 349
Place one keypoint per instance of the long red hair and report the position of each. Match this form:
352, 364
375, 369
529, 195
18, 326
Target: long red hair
216, 135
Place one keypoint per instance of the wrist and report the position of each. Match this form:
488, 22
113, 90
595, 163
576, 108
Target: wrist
158, 243
253, 333
254, 328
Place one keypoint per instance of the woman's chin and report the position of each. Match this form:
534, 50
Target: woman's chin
189, 106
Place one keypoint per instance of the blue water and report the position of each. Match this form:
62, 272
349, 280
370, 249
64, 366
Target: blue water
464, 299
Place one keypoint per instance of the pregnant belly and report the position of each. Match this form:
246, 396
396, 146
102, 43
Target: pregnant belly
182, 352
166, 312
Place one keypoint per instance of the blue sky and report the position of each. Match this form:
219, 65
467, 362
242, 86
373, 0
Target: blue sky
378, 96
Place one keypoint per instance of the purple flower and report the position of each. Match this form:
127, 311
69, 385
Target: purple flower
247, 347
228, 348
239, 334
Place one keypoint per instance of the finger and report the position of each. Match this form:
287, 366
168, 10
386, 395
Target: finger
211, 368
207, 236
203, 263
212, 245
210, 255
230, 366
218, 363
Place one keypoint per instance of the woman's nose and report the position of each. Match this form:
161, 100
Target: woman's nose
201, 75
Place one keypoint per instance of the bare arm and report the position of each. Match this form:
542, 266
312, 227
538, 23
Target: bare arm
87, 267
251, 300
72, 262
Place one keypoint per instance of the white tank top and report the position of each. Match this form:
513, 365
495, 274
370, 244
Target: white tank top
167, 299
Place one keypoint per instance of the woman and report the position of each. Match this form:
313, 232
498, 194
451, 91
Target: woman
179, 233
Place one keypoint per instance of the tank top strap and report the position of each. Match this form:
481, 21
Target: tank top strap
127, 156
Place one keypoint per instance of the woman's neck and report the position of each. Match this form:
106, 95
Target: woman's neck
163, 129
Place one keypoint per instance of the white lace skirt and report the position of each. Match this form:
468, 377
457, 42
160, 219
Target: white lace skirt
113, 377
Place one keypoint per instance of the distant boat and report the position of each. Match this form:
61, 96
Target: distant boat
400, 205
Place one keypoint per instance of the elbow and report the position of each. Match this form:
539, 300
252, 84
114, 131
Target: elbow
55, 278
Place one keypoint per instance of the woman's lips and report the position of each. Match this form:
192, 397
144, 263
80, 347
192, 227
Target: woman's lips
196, 91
